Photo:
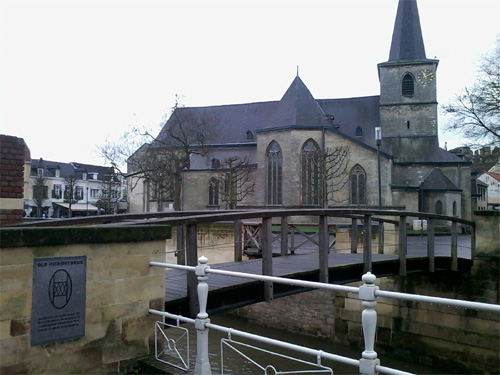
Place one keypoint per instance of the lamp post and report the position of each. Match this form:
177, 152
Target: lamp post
87, 211
378, 138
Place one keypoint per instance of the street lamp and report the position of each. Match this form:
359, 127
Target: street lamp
378, 139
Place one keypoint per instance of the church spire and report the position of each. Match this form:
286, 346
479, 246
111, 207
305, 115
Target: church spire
407, 41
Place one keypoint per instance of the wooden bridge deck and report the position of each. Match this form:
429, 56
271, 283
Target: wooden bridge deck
231, 292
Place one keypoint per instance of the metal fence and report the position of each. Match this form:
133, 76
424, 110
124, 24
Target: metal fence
368, 364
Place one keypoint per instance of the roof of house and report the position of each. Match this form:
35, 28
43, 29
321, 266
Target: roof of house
67, 169
495, 175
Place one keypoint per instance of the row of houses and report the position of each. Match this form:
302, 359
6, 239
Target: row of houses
56, 189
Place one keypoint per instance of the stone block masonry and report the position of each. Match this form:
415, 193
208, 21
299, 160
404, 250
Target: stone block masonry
120, 289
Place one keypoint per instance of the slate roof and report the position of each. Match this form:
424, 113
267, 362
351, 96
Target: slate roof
67, 169
407, 41
437, 180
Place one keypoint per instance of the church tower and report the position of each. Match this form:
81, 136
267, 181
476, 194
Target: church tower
408, 103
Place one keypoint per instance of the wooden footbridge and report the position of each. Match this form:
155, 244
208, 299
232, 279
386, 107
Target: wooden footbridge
326, 263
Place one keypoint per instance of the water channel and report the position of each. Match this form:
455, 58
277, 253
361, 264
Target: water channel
234, 361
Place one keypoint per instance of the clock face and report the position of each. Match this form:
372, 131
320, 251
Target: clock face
425, 77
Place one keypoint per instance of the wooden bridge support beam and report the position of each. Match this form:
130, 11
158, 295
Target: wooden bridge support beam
238, 241
284, 235
267, 256
403, 245
381, 237
324, 245
192, 260
354, 236
367, 243
430, 243
454, 246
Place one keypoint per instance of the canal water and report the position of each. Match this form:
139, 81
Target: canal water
241, 359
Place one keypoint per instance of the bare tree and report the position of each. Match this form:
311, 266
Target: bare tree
161, 160
324, 174
236, 180
40, 190
110, 193
70, 194
476, 110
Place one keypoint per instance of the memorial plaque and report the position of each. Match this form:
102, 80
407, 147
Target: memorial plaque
59, 293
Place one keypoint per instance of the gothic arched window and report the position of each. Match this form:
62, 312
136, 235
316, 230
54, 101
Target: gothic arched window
358, 186
274, 158
310, 173
408, 85
213, 192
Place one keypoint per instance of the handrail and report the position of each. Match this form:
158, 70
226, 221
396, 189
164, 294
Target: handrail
368, 293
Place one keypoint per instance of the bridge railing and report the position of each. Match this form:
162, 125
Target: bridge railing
188, 228
368, 364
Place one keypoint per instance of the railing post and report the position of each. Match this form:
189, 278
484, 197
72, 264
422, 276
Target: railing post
381, 237
354, 236
323, 248
192, 260
181, 245
430, 243
403, 244
202, 365
369, 361
238, 241
267, 256
367, 244
292, 241
454, 246
284, 235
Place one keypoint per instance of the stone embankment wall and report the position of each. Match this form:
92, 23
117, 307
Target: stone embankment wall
466, 341
120, 288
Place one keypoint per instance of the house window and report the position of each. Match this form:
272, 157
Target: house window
58, 172
274, 174
213, 192
94, 193
358, 186
215, 163
40, 192
408, 85
57, 191
310, 173
39, 172
79, 193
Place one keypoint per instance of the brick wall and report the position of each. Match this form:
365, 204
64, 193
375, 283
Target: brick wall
13, 153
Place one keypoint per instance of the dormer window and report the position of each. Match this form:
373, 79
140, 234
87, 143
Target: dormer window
58, 172
84, 176
408, 85
249, 135
39, 172
359, 131
215, 163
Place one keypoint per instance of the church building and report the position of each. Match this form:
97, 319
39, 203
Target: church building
291, 145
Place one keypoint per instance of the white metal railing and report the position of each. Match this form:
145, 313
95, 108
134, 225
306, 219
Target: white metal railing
369, 364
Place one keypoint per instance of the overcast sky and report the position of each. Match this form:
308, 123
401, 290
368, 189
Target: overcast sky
73, 73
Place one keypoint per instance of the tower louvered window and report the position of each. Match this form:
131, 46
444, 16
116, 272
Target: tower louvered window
274, 190
408, 85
